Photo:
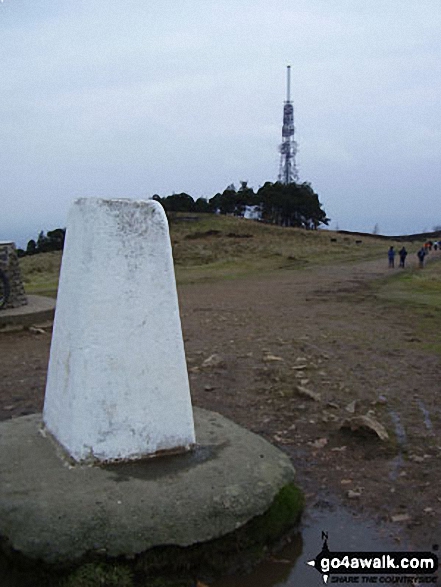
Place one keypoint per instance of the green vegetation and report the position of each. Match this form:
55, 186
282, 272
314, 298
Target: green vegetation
294, 204
421, 287
420, 291
40, 273
52, 241
210, 247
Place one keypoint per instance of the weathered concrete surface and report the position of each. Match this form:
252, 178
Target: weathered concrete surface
57, 513
38, 309
117, 384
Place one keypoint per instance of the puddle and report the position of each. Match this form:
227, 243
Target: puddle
427, 421
397, 462
289, 568
399, 428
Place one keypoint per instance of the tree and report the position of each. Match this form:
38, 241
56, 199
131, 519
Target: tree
233, 201
291, 205
178, 203
31, 249
56, 239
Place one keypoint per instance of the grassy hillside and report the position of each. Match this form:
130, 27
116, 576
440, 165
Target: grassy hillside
207, 247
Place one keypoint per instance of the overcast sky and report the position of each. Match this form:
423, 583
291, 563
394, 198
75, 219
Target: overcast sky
128, 98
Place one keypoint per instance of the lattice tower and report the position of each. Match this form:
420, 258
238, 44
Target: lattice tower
288, 172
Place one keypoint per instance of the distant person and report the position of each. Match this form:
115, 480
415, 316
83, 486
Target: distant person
403, 254
421, 254
435, 246
391, 257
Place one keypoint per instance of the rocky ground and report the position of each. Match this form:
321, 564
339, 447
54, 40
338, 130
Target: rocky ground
316, 363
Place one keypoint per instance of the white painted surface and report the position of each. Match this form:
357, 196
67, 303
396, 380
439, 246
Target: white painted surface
117, 383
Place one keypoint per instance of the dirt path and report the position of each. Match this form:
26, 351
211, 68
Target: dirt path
322, 330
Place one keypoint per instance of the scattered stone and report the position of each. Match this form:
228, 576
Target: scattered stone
301, 360
333, 405
299, 367
428, 510
400, 518
209, 388
338, 449
272, 358
382, 399
360, 423
319, 443
36, 330
214, 360
354, 494
305, 392
194, 370
304, 381
346, 481
416, 458
351, 407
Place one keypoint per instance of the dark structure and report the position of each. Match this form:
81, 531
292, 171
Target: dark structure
11, 268
288, 149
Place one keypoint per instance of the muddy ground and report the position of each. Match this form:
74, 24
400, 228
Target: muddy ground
252, 343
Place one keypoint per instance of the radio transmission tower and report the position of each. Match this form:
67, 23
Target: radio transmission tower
288, 149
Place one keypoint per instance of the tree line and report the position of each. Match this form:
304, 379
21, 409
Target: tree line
277, 203
293, 204
52, 241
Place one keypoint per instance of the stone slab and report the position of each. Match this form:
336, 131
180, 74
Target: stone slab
56, 512
38, 309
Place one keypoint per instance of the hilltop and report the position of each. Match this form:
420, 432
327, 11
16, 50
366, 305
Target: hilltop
208, 247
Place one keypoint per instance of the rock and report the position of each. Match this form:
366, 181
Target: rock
214, 360
351, 407
346, 481
305, 392
333, 405
338, 449
416, 458
272, 358
36, 330
209, 388
319, 443
354, 494
400, 518
360, 423
299, 367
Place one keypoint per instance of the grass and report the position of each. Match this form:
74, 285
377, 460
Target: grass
420, 287
418, 291
222, 247
40, 273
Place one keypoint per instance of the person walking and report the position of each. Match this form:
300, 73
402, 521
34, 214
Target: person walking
391, 257
403, 254
421, 254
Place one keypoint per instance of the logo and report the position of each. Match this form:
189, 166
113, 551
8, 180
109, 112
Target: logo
399, 568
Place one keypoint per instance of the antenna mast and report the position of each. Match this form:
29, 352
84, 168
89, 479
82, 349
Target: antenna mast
288, 149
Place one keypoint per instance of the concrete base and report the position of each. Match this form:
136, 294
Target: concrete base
57, 513
38, 309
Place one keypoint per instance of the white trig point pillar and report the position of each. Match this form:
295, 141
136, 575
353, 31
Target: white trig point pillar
117, 384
